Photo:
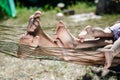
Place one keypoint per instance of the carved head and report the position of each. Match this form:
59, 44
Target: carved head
34, 24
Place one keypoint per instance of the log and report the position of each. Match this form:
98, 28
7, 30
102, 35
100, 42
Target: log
85, 56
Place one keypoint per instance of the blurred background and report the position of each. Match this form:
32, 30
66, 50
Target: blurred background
102, 6
14, 17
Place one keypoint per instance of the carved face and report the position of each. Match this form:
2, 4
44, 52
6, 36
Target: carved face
33, 24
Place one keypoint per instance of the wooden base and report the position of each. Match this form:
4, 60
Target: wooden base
79, 56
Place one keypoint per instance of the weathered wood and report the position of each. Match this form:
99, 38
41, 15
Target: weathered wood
78, 56
65, 47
